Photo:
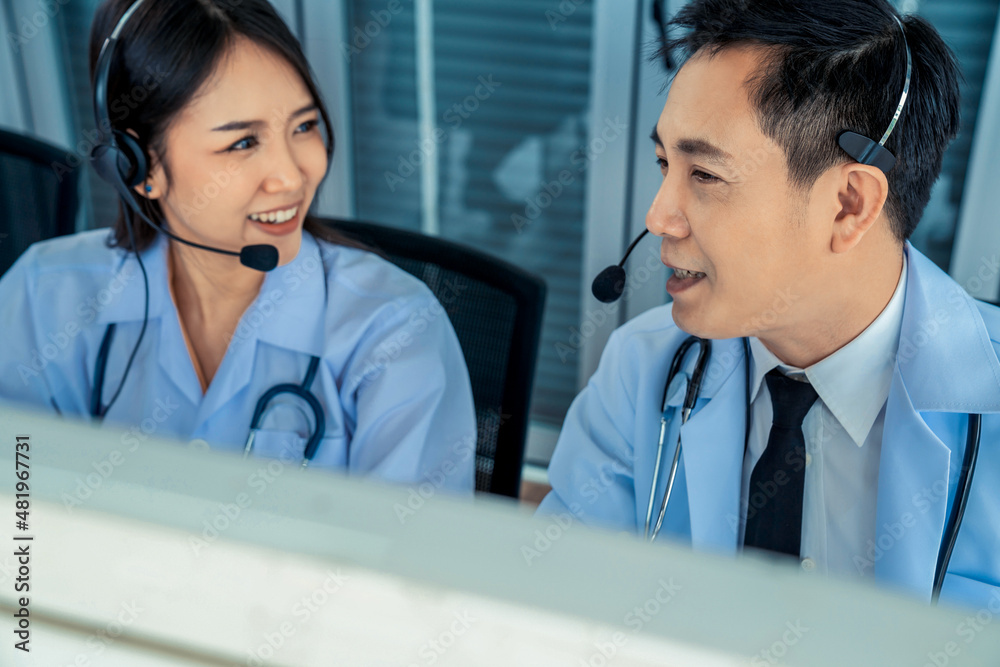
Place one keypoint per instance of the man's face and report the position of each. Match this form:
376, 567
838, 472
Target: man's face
726, 209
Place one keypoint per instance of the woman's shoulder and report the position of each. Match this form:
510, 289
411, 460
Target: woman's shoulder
367, 276
71, 256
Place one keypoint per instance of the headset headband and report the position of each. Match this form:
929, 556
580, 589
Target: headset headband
103, 70
867, 151
117, 158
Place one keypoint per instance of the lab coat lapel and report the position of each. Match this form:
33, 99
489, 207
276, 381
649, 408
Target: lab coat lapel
712, 442
910, 516
288, 313
162, 330
233, 374
945, 364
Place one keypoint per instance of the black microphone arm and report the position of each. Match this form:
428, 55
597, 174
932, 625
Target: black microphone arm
260, 257
609, 284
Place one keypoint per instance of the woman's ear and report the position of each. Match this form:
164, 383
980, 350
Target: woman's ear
862, 193
154, 186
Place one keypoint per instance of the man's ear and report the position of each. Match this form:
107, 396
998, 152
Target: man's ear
154, 186
862, 191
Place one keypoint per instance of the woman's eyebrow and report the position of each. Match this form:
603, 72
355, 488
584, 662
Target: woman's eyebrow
238, 125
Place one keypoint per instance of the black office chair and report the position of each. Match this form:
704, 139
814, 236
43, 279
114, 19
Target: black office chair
497, 316
37, 202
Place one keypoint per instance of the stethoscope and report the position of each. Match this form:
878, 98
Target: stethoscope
691, 398
264, 404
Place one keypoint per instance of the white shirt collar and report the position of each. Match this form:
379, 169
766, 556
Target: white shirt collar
854, 381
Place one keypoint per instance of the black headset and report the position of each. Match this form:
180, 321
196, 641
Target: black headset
609, 284
117, 158
867, 151
120, 160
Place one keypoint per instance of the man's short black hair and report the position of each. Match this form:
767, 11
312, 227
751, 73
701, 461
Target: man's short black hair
840, 65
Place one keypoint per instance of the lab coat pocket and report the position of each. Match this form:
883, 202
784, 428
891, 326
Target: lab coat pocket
289, 447
285, 446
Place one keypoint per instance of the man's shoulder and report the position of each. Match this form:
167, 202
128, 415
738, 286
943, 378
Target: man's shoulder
640, 346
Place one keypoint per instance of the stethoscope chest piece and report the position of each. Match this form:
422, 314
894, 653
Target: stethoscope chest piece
266, 403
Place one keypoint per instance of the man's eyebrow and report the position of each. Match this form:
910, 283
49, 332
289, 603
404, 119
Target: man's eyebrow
251, 124
705, 150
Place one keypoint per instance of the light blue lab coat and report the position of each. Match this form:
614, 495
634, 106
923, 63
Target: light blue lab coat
946, 367
392, 380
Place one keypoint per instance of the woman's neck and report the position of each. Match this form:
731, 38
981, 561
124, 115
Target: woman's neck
209, 291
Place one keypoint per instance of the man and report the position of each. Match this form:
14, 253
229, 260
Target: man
865, 359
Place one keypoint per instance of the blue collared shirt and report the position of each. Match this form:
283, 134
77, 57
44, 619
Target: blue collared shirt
392, 379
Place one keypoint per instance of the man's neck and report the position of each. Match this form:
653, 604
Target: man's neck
839, 319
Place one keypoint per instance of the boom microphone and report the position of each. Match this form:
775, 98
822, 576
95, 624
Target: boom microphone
609, 284
260, 257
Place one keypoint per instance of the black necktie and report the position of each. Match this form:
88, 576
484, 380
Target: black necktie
774, 501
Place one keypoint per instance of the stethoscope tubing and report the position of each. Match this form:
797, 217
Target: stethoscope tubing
691, 397
301, 390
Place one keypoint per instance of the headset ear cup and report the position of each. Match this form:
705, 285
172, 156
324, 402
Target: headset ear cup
131, 159
105, 159
866, 151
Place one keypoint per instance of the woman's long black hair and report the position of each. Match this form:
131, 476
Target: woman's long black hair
166, 52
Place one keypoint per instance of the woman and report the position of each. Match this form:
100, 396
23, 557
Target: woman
178, 341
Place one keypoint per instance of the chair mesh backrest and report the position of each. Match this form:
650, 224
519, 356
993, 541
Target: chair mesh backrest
33, 200
483, 318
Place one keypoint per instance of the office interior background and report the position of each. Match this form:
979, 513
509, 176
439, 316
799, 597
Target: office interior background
517, 127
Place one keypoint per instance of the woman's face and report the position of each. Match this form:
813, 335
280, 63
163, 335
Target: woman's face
245, 157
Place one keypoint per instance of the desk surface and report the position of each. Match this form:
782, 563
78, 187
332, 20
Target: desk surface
225, 561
